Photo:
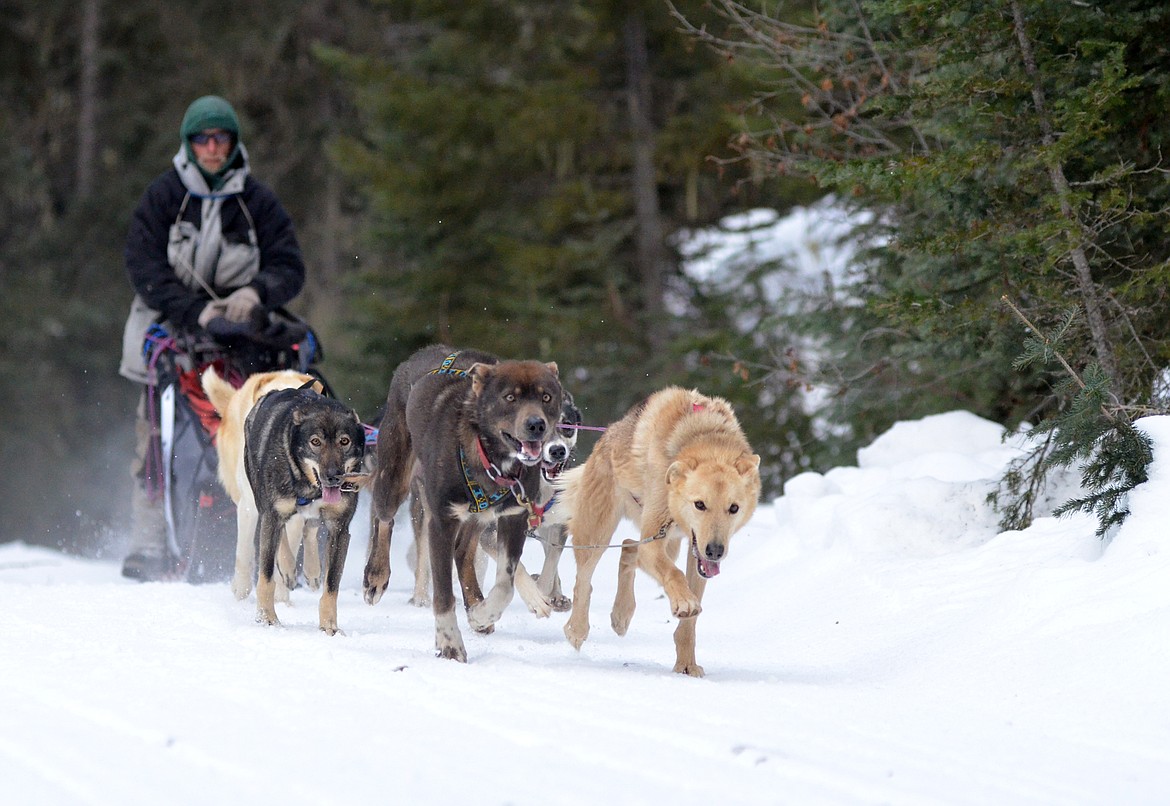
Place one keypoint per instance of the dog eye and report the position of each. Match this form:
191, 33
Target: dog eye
344, 442
315, 442
699, 505
547, 397
734, 508
511, 398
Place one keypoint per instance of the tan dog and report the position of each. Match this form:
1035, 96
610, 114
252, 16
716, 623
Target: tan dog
679, 466
233, 406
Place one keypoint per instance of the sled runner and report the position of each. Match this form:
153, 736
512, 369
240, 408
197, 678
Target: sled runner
182, 462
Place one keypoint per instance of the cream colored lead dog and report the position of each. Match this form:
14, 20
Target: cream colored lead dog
679, 466
233, 406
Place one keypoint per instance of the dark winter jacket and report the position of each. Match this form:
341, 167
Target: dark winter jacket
172, 264
282, 271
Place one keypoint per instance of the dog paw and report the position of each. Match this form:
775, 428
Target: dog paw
314, 583
241, 587
267, 618
374, 583
687, 607
448, 641
691, 669
561, 604
284, 581
540, 607
620, 622
575, 634
481, 619
452, 653
419, 601
373, 593
332, 629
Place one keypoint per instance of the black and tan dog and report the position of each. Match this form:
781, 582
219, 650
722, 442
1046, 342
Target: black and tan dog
233, 405
474, 429
302, 456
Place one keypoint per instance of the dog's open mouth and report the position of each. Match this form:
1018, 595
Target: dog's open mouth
707, 568
348, 483
527, 452
352, 482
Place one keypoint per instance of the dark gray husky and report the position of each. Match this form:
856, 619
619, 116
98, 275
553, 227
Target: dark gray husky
475, 429
302, 454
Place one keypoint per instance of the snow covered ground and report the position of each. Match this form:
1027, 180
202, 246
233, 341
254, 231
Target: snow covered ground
872, 639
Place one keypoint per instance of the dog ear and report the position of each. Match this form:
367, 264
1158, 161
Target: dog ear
747, 464
298, 416
479, 374
552, 365
677, 470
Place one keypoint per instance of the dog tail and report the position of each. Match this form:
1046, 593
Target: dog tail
219, 391
568, 487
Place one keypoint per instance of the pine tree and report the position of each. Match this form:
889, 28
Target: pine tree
522, 197
1007, 148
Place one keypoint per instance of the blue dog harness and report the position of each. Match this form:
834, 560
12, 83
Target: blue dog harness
480, 500
446, 367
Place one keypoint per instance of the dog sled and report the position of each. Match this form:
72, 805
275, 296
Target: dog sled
181, 464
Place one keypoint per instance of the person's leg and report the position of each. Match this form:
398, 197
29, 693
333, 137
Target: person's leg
147, 558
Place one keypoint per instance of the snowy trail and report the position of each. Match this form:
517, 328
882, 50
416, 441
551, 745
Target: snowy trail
188, 689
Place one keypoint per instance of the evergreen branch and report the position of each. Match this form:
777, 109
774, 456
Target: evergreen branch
1022, 485
1047, 342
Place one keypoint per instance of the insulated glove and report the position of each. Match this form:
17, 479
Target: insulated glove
210, 311
239, 304
281, 334
229, 333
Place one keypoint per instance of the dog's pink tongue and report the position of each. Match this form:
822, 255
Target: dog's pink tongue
708, 568
331, 495
531, 450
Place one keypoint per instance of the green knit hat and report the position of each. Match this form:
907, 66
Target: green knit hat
209, 112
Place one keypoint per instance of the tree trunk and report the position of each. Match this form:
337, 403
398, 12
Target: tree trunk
1089, 291
87, 101
651, 253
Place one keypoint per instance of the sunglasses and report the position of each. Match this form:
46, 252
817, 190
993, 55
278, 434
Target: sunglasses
203, 138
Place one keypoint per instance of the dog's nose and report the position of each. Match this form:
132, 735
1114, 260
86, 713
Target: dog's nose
557, 452
535, 427
714, 552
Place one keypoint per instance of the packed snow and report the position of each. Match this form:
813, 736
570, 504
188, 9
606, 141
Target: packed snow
873, 638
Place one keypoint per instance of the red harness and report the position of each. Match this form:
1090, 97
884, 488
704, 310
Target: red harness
535, 511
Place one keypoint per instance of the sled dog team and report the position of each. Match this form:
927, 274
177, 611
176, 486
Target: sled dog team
481, 446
